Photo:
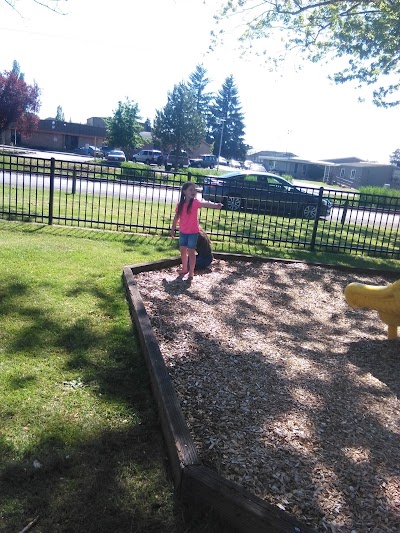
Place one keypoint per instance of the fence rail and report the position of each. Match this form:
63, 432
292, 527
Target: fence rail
143, 200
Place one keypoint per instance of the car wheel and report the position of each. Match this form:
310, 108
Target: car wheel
147, 162
309, 212
232, 203
134, 159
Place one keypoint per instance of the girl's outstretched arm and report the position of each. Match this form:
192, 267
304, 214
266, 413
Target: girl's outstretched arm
212, 205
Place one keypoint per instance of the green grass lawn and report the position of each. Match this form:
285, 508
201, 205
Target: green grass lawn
80, 443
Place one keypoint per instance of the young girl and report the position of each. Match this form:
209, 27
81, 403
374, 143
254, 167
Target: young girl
187, 216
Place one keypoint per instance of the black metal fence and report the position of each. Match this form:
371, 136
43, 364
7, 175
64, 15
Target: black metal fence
143, 200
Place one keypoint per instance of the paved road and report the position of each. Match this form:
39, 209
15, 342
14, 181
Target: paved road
95, 187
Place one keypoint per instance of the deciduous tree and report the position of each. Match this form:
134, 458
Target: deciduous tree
365, 33
179, 125
54, 5
19, 102
123, 128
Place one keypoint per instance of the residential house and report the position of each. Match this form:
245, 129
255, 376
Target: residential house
288, 163
355, 173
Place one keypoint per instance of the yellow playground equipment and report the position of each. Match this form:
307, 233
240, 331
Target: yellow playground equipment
384, 299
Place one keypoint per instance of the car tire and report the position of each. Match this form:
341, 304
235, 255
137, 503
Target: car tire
309, 211
147, 162
232, 203
134, 160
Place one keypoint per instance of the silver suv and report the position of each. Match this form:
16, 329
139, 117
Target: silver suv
148, 157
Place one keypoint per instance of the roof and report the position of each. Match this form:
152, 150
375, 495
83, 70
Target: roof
366, 164
297, 159
345, 160
271, 153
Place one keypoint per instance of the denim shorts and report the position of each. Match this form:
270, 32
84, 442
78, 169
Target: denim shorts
189, 240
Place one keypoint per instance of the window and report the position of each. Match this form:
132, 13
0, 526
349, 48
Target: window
341, 173
353, 173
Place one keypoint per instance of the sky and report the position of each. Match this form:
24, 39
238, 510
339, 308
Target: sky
97, 54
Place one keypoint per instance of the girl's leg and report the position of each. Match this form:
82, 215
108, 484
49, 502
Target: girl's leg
192, 261
184, 259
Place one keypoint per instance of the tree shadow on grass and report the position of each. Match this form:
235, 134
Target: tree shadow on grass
86, 478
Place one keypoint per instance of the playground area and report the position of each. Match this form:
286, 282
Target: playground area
286, 389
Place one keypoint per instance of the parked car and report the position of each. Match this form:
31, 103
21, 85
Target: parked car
171, 160
149, 157
105, 150
234, 164
263, 192
222, 161
204, 161
116, 155
92, 151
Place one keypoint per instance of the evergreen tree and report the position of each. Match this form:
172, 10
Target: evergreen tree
16, 69
60, 114
227, 116
197, 84
147, 125
395, 158
179, 126
123, 129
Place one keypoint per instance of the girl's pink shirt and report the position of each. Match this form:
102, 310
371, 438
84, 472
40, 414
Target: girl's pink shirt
189, 222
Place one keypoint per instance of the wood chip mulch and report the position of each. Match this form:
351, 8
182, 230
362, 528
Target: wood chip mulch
286, 389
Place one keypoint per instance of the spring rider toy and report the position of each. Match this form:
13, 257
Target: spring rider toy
384, 299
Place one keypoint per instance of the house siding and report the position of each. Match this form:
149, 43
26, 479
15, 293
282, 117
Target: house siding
363, 175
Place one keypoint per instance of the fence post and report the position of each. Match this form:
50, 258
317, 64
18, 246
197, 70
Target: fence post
314, 232
189, 176
74, 180
345, 208
51, 197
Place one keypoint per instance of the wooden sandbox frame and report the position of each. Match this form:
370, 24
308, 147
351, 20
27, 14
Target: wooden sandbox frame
195, 484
